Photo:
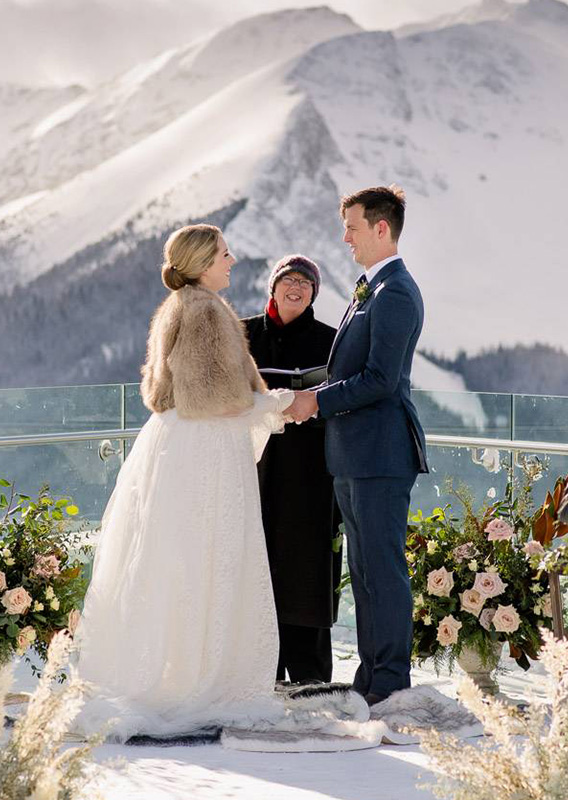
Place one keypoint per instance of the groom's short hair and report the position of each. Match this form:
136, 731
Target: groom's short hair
379, 202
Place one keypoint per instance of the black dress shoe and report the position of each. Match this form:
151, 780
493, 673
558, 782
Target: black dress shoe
372, 699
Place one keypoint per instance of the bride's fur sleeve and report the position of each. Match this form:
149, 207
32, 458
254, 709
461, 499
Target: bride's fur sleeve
198, 358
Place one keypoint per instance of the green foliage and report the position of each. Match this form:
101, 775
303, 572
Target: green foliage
43, 555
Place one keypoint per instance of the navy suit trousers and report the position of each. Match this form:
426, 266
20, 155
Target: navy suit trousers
375, 513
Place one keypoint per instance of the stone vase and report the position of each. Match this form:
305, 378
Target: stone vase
481, 672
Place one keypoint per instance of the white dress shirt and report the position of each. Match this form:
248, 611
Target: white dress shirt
372, 271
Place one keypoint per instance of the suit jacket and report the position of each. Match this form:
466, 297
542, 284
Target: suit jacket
372, 427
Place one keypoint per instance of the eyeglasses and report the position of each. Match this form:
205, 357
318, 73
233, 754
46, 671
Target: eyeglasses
302, 282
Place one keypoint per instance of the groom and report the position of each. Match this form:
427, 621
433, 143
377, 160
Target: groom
375, 445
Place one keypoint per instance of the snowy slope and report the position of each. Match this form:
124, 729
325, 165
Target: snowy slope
227, 134
545, 19
105, 121
487, 10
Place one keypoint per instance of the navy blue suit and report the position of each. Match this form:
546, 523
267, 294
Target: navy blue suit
375, 448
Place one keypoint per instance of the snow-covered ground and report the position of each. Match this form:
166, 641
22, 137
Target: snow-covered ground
208, 772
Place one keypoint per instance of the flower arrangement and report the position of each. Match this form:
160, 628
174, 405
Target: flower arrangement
32, 761
474, 579
42, 581
526, 756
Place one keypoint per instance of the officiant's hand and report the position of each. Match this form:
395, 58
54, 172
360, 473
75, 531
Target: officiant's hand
305, 405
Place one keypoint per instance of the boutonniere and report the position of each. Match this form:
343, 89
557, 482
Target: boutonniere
362, 292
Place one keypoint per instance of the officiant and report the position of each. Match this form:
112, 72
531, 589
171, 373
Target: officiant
299, 513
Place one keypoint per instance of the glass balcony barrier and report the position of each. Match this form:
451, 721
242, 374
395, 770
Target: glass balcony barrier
75, 439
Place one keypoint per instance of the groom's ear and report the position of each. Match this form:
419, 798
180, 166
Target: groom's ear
383, 229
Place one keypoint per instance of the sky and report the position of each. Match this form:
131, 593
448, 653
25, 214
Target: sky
89, 41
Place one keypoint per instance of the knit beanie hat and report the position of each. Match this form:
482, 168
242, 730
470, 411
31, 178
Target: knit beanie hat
295, 263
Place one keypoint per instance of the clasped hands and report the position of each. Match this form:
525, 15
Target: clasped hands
304, 406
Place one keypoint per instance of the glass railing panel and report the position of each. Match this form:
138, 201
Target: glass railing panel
72, 469
136, 412
464, 413
453, 466
540, 418
59, 409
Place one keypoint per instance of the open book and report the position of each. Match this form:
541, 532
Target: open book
294, 378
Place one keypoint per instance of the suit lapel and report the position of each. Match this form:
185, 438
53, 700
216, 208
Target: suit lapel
375, 286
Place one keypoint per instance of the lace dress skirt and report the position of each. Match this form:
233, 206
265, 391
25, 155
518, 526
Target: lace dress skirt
179, 626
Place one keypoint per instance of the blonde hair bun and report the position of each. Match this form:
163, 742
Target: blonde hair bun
188, 252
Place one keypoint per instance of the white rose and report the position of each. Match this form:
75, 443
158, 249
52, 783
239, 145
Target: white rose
489, 584
73, 621
506, 619
546, 605
25, 637
448, 631
472, 601
440, 582
16, 601
490, 459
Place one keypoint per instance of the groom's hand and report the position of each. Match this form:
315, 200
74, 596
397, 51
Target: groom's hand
305, 405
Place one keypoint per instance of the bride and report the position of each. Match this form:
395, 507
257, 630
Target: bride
179, 627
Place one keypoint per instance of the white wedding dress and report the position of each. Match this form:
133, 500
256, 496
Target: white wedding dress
179, 627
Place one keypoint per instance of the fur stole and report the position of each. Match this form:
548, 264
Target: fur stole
198, 359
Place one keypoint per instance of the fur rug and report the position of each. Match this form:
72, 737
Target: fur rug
333, 718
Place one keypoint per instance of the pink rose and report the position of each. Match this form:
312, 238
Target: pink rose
46, 566
24, 639
448, 631
486, 618
16, 601
463, 551
499, 530
489, 584
506, 619
472, 601
533, 548
440, 582
3, 584
73, 621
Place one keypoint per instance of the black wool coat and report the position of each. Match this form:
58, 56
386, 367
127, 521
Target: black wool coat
299, 512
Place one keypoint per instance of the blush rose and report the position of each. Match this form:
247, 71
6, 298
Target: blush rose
16, 601
440, 582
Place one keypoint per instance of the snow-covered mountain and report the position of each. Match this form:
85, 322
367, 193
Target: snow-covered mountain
262, 128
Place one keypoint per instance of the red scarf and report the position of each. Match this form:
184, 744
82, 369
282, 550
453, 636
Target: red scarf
272, 311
